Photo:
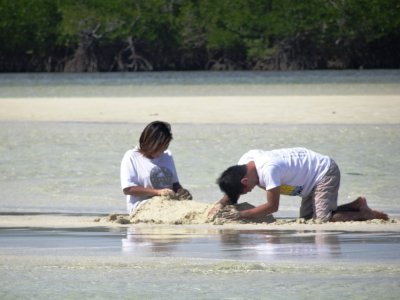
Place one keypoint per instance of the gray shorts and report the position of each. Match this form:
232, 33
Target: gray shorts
322, 200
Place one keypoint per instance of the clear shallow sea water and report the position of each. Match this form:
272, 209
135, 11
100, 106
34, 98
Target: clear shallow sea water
73, 168
180, 84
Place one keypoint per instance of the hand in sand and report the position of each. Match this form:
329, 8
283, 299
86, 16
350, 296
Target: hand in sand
229, 212
183, 194
212, 214
166, 193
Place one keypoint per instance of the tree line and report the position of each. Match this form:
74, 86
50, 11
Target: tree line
152, 35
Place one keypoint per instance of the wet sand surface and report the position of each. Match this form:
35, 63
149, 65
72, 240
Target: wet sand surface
150, 262
196, 242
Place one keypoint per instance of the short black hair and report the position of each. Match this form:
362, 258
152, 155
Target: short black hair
230, 182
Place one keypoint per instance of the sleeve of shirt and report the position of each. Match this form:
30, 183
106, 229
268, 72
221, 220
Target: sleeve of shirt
271, 177
243, 160
128, 172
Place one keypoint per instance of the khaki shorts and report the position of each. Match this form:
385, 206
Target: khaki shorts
322, 200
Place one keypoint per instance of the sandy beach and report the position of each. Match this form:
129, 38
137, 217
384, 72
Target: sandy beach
324, 109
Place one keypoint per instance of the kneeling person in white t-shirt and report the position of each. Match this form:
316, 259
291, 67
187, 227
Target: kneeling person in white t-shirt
149, 169
295, 172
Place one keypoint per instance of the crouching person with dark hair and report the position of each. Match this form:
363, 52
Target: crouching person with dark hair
294, 172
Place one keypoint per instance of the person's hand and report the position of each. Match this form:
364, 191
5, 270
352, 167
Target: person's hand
166, 193
183, 194
212, 214
229, 212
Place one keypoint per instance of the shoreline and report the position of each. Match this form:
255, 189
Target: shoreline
322, 109
35, 221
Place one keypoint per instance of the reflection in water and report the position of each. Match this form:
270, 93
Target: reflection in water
232, 244
281, 244
217, 242
163, 240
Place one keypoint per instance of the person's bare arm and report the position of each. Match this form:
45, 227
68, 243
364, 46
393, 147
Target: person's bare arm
271, 206
225, 201
140, 191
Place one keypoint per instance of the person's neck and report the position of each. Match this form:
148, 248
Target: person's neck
252, 170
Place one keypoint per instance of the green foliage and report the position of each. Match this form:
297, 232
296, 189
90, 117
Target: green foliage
369, 19
118, 19
27, 26
240, 29
111, 19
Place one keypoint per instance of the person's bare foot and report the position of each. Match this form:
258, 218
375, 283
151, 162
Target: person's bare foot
379, 215
361, 202
370, 213
358, 210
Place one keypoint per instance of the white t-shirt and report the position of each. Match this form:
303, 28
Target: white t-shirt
138, 170
295, 170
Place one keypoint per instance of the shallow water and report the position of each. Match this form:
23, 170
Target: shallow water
152, 262
74, 167
179, 84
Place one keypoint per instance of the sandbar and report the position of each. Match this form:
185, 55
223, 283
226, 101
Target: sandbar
312, 109
71, 221
162, 212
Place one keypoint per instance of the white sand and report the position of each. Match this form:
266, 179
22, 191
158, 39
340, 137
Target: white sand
375, 109
160, 210
63, 221
164, 212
